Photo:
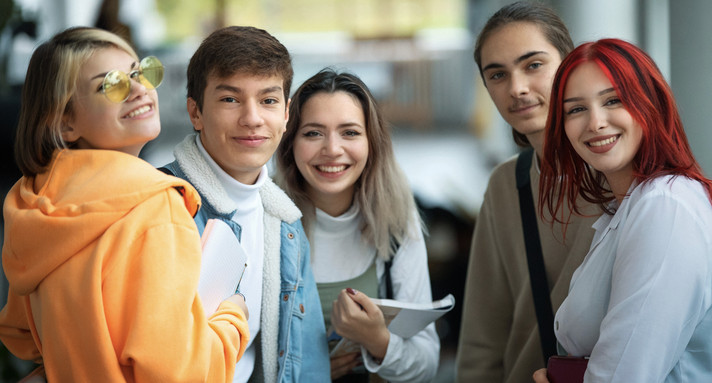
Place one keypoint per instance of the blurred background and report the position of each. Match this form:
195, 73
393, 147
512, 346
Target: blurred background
415, 56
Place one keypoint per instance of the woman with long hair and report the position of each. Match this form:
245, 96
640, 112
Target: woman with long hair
336, 161
640, 303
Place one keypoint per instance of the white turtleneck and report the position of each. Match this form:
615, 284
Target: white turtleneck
338, 252
250, 217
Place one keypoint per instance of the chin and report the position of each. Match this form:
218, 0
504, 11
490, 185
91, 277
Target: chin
146, 138
153, 136
152, 132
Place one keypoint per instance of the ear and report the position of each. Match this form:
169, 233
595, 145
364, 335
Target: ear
69, 134
286, 115
196, 116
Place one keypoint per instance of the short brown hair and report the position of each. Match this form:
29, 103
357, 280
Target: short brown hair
47, 94
539, 14
238, 49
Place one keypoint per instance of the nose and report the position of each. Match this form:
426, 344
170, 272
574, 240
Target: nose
250, 115
518, 84
332, 146
137, 89
597, 119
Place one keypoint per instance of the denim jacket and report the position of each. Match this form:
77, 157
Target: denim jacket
293, 346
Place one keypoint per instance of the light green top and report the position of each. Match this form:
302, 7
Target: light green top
366, 283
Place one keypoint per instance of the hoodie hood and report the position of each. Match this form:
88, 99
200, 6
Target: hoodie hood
79, 197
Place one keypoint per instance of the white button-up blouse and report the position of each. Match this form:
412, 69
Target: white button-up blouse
639, 304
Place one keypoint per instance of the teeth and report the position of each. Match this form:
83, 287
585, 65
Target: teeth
138, 111
604, 142
332, 169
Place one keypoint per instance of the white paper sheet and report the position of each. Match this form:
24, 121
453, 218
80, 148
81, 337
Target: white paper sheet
222, 265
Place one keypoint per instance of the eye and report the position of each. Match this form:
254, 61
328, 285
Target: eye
575, 109
135, 74
496, 76
311, 133
228, 99
271, 101
535, 65
613, 101
352, 133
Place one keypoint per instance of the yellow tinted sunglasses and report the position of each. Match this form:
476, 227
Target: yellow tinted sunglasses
117, 84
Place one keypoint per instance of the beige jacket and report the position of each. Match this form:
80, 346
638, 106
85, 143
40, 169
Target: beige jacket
499, 338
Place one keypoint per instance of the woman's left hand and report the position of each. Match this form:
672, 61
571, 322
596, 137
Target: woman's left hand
540, 376
342, 365
355, 317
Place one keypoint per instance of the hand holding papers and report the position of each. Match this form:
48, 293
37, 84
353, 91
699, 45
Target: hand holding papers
404, 319
222, 265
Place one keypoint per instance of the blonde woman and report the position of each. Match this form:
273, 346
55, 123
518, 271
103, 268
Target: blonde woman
100, 249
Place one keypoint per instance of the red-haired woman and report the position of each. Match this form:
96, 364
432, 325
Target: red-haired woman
639, 304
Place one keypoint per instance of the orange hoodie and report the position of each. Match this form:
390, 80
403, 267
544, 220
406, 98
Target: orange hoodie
103, 264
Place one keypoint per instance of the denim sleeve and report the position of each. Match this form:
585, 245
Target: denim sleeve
303, 355
316, 366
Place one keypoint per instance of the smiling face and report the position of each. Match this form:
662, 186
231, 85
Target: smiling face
242, 122
331, 149
599, 128
518, 67
94, 122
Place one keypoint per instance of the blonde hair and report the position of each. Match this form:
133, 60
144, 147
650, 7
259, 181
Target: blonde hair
382, 191
47, 94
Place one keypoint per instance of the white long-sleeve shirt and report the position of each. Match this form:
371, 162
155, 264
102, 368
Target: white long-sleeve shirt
640, 303
339, 254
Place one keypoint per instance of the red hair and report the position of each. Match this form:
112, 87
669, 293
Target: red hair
664, 149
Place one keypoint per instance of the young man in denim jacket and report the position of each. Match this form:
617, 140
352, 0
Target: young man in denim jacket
238, 95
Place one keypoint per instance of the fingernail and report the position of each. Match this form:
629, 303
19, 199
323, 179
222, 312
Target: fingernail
350, 291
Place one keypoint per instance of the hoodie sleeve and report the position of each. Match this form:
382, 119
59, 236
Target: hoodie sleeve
156, 319
15, 331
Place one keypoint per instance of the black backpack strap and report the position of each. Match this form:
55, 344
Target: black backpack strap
535, 258
166, 170
395, 245
389, 281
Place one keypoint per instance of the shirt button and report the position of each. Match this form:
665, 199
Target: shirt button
285, 297
290, 236
301, 308
557, 325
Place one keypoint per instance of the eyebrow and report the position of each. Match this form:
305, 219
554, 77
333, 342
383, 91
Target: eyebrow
517, 61
601, 93
234, 89
102, 75
322, 126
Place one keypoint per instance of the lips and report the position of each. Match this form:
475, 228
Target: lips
251, 141
331, 168
138, 111
602, 144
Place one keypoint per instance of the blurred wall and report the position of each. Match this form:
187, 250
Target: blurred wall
691, 64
